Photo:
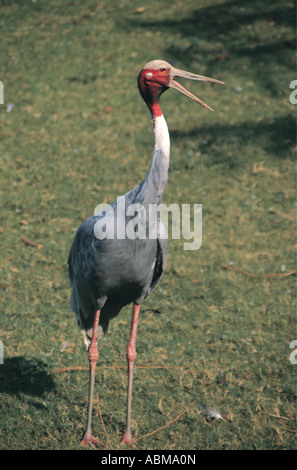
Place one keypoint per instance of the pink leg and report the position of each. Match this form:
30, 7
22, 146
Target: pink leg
131, 356
88, 438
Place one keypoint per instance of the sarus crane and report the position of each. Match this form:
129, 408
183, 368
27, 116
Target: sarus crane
108, 273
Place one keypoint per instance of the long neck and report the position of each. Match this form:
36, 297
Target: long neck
157, 175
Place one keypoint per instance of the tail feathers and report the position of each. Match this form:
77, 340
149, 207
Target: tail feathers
84, 307
87, 340
87, 334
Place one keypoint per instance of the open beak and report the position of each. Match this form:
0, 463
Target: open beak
191, 76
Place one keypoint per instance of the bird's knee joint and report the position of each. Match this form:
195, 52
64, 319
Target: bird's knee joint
93, 353
131, 353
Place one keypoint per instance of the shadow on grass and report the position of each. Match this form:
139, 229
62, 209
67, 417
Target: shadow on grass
20, 375
275, 136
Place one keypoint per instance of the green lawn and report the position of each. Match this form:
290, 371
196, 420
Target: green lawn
78, 135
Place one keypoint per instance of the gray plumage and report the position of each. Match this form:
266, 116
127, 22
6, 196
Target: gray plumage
108, 274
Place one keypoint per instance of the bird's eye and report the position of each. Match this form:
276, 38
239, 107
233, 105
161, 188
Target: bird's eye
162, 69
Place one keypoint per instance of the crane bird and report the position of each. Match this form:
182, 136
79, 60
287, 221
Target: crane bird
108, 273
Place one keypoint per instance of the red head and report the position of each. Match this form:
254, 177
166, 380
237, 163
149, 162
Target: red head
157, 76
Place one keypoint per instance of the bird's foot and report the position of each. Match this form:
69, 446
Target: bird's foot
88, 440
128, 441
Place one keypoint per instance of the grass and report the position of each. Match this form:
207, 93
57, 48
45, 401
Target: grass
78, 135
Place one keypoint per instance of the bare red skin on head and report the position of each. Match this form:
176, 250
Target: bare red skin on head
152, 83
